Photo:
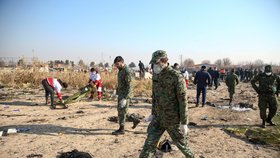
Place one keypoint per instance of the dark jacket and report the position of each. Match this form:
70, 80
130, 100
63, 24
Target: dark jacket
202, 78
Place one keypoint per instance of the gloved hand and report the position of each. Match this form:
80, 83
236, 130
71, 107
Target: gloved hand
149, 118
183, 129
122, 103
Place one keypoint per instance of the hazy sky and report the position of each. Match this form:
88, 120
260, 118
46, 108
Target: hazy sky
92, 30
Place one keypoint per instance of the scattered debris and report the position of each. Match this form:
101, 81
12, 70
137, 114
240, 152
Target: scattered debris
62, 118
34, 156
224, 98
83, 92
11, 131
210, 104
80, 112
256, 135
246, 105
75, 154
113, 119
240, 109
36, 120
116, 140
223, 119
23, 129
129, 119
8, 131
192, 124
234, 108
12, 115
205, 117
164, 145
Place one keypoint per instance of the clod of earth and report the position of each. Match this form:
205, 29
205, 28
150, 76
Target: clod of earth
34, 156
75, 154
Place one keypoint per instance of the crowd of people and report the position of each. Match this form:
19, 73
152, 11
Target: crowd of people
169, 96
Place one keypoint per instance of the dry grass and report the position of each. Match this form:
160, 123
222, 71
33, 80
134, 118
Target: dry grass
143, 88
32, 79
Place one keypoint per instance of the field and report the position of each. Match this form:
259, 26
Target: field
84, 125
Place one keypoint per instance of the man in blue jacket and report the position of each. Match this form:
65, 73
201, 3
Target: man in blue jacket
201, 80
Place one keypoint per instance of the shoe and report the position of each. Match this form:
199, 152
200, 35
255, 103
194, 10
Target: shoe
52, 107
203, 105
196, 105
120, 131
270, 122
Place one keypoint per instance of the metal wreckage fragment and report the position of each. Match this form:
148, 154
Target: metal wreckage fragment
83, 92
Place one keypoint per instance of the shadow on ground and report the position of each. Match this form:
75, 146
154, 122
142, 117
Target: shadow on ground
22, 103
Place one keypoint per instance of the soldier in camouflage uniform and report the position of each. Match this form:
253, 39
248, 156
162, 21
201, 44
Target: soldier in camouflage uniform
169, 107
231, 82
124, 92
269, 85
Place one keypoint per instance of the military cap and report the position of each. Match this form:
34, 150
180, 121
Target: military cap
157, 55
267, 68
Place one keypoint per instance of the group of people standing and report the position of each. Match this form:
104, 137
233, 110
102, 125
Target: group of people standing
169, 98
204, 79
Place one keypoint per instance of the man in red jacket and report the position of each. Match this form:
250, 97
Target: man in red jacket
51, 86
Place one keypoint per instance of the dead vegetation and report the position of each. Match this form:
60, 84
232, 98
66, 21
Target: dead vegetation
24, 79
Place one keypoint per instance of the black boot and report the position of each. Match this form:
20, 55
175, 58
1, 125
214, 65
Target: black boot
270, 122
120, 131
263, 124
52, 107
136, 121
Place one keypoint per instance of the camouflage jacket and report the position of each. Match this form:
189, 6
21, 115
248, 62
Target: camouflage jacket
169, 101
268, 85
232, 80
124, 89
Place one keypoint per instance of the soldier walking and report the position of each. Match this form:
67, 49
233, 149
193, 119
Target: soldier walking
169, 107
231, 82
125, 93
269, 86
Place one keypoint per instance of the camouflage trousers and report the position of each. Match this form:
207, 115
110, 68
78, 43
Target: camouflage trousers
231, 90
155, 130
122, 112
270, 102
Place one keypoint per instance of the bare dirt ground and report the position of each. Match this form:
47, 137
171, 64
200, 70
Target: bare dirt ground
84, 126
